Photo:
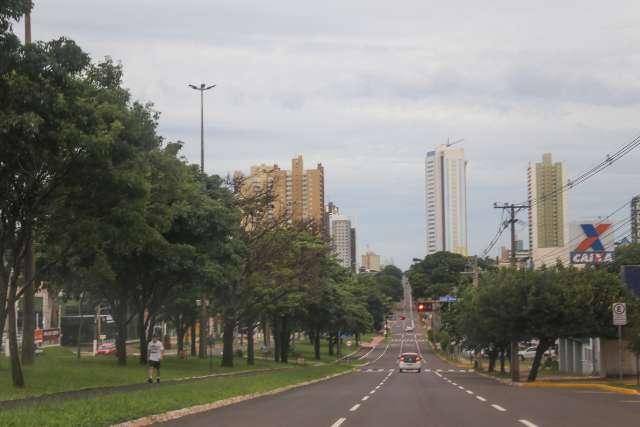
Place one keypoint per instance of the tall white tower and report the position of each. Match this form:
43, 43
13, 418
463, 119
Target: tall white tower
446, 200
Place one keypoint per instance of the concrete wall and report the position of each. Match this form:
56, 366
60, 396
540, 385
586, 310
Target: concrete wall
609, 358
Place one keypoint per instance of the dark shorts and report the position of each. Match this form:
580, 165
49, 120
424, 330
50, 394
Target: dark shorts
154, 364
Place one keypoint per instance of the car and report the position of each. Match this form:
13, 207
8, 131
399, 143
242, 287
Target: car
530, 353
106, 349
410, 362
408, 329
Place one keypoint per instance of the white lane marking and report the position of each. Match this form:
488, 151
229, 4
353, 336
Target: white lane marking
460, 387
377, 387
382, 354
372, 392
339, 422
469, 392
365, 398
527, 423
498, 407
454, 384
380, 370
470, 370
481, 399
439, 374
427, 370
439, 370
452, 370
462, 370
354, 407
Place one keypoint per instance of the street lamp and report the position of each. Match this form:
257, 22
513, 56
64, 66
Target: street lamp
202, 88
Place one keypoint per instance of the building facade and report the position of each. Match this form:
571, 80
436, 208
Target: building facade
342, 236
370, 262
635, 219
354, 249
446, 200
297, 194
548, 231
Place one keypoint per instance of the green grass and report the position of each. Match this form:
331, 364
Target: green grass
304, 349
119, 407
58, 370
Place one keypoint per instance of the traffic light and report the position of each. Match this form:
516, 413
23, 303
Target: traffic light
425, 306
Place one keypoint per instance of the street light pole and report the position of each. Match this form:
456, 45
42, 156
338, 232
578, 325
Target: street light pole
203, 307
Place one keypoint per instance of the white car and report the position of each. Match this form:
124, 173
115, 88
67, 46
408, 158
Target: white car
530, 353
410, 362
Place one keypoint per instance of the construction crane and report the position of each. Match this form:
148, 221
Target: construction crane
450, 143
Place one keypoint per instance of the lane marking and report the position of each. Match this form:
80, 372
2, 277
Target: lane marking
452, 370
528, 423
354, 407
454, 384
498, 407
469, 392
439, 374
377, 387
460, 387
481, 399
365, 398
372, 392
339, 422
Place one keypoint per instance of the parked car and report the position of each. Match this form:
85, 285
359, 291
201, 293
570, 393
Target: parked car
106, 349
530, 353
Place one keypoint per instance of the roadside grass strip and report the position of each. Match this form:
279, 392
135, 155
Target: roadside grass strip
157, 404
579, 386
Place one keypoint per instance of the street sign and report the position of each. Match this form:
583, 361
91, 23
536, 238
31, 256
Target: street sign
619, 314
447, 298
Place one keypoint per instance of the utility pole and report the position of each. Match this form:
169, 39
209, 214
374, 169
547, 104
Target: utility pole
204, 318
513, 210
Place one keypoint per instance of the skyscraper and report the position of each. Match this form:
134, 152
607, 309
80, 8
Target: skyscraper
446, 200
548, 230
635, 219
298, 194
370, 262
342, 236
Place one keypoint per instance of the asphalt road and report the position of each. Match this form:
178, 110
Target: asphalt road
441, 395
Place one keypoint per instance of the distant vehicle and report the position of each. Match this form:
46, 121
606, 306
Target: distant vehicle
530, 353
408, 329
106, 349
410, 362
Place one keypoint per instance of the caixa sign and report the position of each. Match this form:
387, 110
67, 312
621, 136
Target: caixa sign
591, 250
591, 257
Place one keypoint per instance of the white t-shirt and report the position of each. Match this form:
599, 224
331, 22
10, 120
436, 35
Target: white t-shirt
155, 350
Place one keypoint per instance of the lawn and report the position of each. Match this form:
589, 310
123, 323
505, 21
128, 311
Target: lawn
59, 370
119, 407
304, 349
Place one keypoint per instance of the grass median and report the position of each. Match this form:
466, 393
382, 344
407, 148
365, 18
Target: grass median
120, 407
59, 370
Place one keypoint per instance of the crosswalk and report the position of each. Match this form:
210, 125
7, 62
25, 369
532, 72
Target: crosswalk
377, 370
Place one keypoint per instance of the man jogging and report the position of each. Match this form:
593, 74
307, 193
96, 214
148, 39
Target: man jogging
155, 351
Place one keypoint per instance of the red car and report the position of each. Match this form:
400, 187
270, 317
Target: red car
106, 349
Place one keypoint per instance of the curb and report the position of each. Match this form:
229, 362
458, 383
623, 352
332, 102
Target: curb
588, 386
179, 413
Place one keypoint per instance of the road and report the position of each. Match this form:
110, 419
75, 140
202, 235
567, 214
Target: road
442, 395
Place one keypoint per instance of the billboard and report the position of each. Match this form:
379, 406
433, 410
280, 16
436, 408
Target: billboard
595, 242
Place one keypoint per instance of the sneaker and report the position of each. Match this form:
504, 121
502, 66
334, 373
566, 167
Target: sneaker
149, 380
157, 380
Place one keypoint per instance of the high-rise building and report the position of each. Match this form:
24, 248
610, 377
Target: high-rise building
370, 262
354, 266
548, 231
298, 194
635, 219
342, 236
446, 200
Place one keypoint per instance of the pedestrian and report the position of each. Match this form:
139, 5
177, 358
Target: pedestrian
155, 351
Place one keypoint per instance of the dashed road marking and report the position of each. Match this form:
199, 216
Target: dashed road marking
469, 392
339, 422
354, 407
372, 392
452, 370
481, 399
365, 398
498, 408
460, 387
454, 383
462, 370
527, 423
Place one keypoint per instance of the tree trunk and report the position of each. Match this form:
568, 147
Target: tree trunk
493, 355
502, 368
16, 368
276, 339
204, 323
80, 325
284, 340
29, 315
193, 338
338, 345
265, 332
543, 346
121, 339
143, 337
331, 344
180, 331
316, 344
250, 347
227, 342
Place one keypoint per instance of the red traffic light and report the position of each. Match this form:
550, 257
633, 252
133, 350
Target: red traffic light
425, 306
421, 307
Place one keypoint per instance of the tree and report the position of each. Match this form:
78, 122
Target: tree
436, 275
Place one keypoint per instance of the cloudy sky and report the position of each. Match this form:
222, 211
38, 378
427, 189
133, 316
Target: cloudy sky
367, 87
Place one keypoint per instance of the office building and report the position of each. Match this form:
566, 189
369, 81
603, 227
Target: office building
342, 236
354, 266
370, 262
446, 200
297, 194
548, 231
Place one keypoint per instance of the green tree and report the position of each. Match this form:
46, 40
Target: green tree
436, 275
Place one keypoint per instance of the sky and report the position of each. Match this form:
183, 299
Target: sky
367, 87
